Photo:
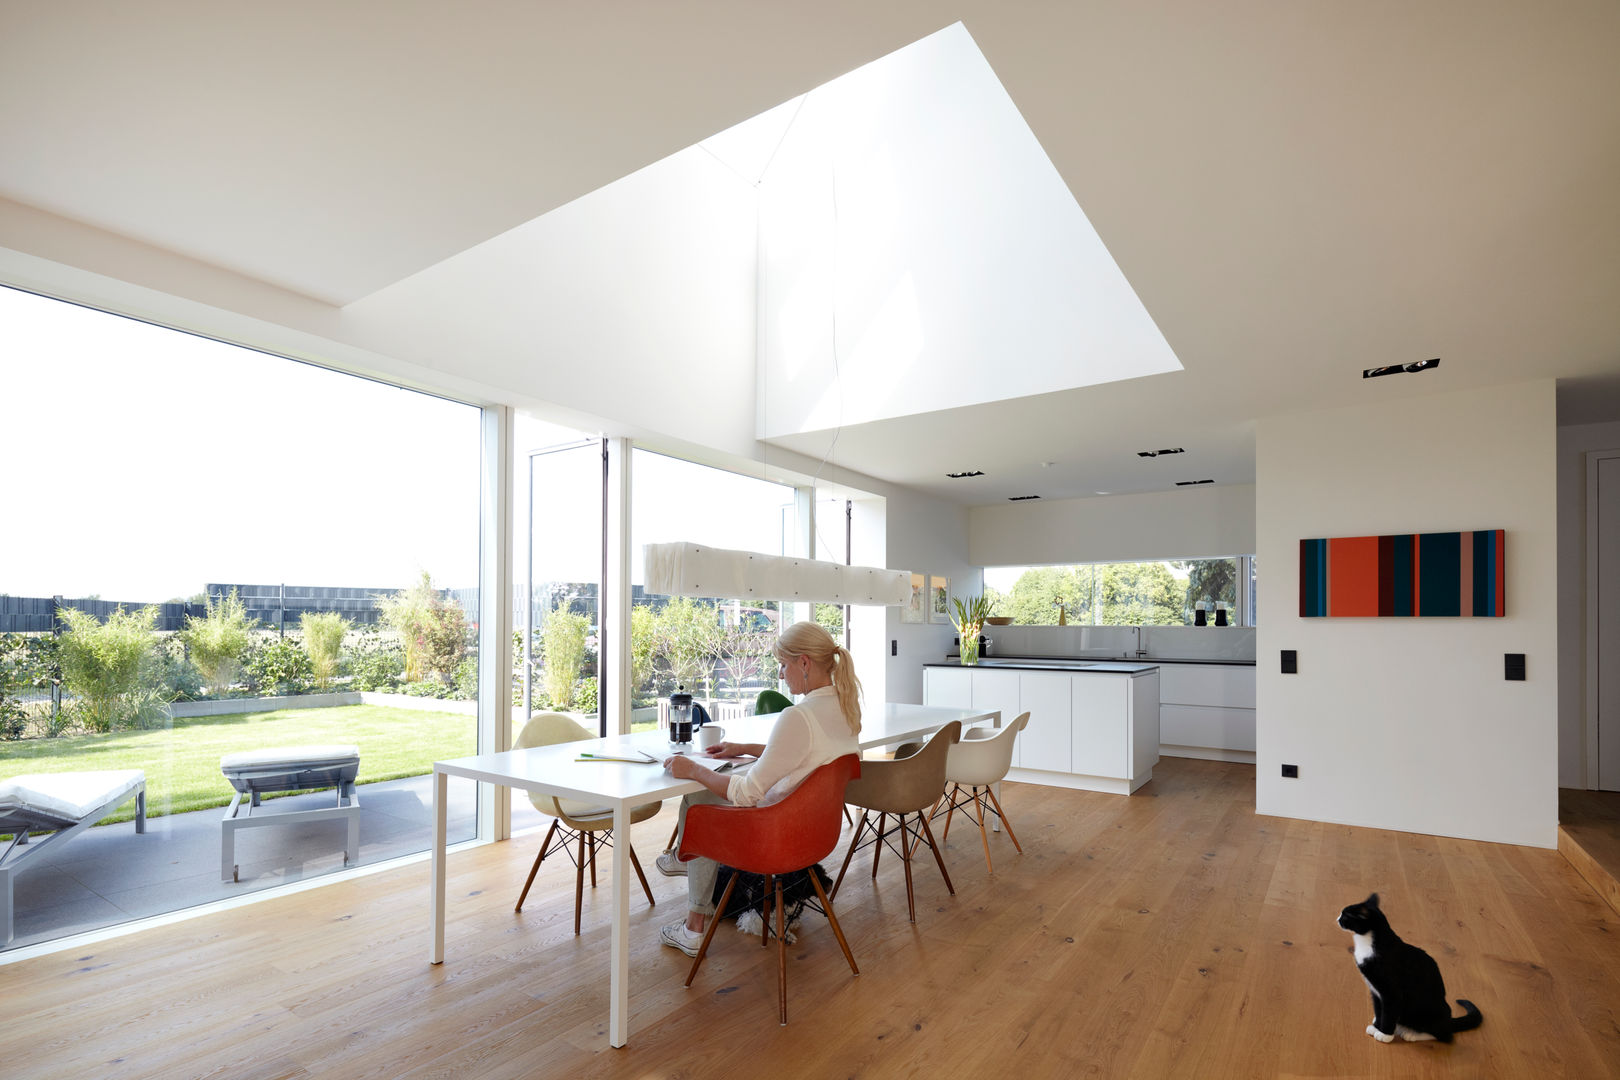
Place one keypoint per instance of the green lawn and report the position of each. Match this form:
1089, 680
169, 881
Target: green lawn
182, 763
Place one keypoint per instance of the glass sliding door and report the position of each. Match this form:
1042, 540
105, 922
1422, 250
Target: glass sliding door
214, 551
563, 635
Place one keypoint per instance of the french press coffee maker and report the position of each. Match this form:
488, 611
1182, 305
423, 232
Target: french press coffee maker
680, 719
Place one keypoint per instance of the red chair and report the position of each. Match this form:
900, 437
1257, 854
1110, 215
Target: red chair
790, 835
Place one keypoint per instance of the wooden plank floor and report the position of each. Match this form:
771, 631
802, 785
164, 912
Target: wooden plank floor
1173, 933
1589, 836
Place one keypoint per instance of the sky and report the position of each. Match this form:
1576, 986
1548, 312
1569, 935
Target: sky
142, 463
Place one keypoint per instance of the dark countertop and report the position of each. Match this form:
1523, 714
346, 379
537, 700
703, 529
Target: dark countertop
1085, 663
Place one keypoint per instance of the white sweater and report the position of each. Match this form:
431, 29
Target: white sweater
806, 736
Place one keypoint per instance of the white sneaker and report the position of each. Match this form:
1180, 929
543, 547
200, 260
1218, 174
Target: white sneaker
670, 865
677, 936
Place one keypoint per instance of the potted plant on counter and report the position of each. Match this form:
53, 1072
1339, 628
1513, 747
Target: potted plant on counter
969, 618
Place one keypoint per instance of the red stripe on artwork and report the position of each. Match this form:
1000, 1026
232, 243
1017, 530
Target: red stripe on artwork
1465, 574
1500, 609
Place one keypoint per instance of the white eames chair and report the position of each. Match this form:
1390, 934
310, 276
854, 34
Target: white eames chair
976, 764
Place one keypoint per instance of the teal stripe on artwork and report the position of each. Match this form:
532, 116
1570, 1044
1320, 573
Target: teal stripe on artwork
1401, 571
1439, 572
1312, 578
1484, 572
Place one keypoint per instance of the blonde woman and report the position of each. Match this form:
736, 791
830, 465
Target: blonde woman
822, 727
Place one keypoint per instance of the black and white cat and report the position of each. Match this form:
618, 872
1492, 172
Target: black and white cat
1408, 995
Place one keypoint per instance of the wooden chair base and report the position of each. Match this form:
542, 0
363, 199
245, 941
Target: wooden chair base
588, 841
912, 829
955, 800
773, 885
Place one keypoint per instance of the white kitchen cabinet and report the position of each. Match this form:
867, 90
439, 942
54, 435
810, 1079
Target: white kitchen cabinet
1047, 740
948, 686
1208, 711
1098, 706
1096, 731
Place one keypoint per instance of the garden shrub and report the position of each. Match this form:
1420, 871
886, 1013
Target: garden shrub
432, 628
432, 688
467, 679
585, 695
175, 673
105, 664
217, 641
278, 668
375, 665
323, 641
564, 635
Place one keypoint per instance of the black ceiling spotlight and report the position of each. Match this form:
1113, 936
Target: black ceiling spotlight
1156, 453
1190, 483
1396, 369
960, 475
1021, 498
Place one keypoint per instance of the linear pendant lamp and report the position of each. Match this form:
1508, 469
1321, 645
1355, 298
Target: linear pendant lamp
687, 569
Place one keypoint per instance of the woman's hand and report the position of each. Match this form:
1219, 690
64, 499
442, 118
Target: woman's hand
727, 750
682, 767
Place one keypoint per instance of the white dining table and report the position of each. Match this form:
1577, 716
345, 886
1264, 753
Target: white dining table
623, 786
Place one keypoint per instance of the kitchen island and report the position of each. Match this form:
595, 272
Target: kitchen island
1093, 724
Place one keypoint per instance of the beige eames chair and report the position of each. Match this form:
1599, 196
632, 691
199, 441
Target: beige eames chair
906, 789
977, 763
590, 826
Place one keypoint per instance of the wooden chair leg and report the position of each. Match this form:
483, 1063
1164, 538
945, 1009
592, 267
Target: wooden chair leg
535, 869
838, 931
579, 883
935, 849
765, 913
945, 833
781, 951
636, 863
877, 848
854, 842
984, 834
905, 857
991, 791
708, 933
673, 833
591, 839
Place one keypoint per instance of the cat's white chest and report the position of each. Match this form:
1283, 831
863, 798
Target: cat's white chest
1364, 947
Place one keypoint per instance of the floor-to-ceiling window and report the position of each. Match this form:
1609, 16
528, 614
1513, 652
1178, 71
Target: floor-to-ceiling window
719, 650
207, 551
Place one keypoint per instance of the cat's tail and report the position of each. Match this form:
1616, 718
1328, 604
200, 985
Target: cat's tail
1470, 1019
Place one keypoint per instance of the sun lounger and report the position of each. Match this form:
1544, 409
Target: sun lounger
255, 773
64, 804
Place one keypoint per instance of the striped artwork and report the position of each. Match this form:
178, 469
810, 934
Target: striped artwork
1455, 573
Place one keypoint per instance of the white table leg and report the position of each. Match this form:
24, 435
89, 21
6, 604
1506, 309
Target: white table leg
441, 787
619, 952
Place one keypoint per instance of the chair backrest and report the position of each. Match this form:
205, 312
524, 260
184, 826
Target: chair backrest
771, 701
797, 832
908, 784
985, 760
549, 729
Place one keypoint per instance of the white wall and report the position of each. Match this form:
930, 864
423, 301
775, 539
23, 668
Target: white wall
1573, 444
1407, 723
925, 536
1191, 522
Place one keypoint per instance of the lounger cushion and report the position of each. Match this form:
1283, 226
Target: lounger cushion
65, 798
291, 768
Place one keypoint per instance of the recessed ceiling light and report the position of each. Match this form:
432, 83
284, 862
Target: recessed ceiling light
1397, 369
1190, 483
1160, 453
960, 475
1021, 498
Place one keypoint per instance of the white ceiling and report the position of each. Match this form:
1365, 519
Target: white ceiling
1295, 191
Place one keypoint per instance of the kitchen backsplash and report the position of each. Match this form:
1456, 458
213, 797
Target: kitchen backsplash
1166, 642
